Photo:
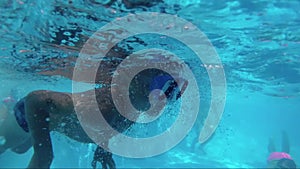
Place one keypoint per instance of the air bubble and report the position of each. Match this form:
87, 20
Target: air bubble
2, 140
67, 33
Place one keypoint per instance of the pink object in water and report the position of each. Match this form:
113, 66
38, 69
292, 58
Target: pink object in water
278, 156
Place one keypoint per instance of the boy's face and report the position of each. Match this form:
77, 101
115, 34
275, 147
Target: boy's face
282, 163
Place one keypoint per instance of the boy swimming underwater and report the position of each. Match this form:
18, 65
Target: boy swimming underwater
280, 159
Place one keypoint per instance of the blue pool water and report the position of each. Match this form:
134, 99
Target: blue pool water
258, 43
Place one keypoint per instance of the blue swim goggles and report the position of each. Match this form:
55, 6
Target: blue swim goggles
169, 86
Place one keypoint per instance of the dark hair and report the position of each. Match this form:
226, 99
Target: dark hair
286, 163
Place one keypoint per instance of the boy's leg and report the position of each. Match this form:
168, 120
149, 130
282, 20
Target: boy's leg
271, 146
285, 144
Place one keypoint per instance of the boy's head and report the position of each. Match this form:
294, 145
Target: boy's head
286, 163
